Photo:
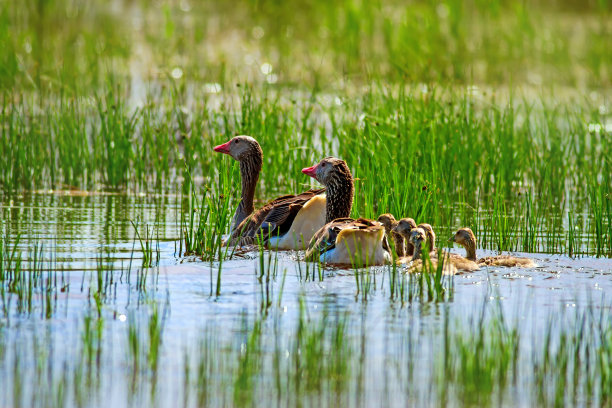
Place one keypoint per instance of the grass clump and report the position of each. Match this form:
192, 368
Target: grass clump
205, 222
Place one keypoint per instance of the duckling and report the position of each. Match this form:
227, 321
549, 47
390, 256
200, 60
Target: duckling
465, 237
418, 238
458, 261
389, 222
403, 228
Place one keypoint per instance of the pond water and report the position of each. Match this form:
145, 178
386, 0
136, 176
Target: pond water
393, 348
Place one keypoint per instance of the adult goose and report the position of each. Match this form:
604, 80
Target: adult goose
287, 222
466, 238
343, 240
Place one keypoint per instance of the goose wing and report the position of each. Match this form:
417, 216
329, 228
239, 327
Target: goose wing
325, 239
274, 218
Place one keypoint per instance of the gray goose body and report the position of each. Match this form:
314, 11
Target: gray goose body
335, 175
275, 218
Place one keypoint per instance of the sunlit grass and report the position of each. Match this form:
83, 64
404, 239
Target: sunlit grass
487, 114
511, 171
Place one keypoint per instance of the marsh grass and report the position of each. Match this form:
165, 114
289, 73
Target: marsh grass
517, 165
426, 121
267, 272
149, 242
499, 121
33, 281
206, 221
310, 41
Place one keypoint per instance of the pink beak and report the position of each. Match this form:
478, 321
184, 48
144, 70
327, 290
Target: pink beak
223, 148
311, 171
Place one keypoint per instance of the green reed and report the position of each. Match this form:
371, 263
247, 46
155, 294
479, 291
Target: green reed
146, 245
206, 221
431, 282
33, 282
437, 149
601, 204
266, 270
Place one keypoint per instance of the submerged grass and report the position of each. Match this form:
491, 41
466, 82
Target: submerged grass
320, 360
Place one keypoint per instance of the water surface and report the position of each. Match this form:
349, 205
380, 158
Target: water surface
394, 346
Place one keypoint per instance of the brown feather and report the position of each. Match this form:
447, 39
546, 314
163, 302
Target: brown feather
276, 217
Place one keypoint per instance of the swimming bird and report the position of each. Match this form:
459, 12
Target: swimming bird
287, 222
403, 228
431, 236
389, 222
466, 238
457, 261
418, 238
350, 243
343, 240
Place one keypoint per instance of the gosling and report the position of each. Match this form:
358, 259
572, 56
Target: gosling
457, 261
402, 229
466, 238
417, 237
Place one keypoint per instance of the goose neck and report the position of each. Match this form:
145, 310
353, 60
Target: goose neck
339, 198
249, 174
470, 249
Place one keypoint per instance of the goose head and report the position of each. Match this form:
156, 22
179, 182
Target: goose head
241, 148
388, 220
336, 176
463, 237
404, 227
417, 237
466, 238
329, 171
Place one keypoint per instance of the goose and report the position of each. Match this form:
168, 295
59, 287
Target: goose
350, 243
418, 236
389, 222
457, 261
466, 238
343, 240
287, 222
430, 234
402, 229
